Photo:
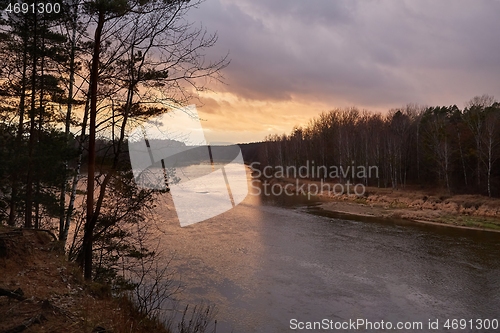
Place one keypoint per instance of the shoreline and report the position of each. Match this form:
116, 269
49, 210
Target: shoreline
469, 212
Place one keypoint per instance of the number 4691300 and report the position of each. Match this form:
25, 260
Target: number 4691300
33, 8
479, 324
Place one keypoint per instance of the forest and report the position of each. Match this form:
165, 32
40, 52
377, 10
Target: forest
77, 75
442, 146
74, 78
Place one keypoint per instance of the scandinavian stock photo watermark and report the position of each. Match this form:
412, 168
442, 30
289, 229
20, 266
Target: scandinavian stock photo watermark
335, 180
170, 153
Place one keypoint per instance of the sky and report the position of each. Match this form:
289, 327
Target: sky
293, 59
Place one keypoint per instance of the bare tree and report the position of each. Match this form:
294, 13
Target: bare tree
152, 60
491, 140
474, 117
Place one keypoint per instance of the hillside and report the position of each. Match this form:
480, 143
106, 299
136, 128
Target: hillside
40, 291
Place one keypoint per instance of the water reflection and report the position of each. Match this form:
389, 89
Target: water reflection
272, 259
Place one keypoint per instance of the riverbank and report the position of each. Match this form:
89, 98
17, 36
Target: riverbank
419, 205
40, 291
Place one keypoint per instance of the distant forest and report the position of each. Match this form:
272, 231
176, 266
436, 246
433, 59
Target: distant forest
443, 146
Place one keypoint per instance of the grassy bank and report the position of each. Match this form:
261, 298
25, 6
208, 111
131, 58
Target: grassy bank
420, 205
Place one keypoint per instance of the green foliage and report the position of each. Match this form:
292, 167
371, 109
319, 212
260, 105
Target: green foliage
48, 158
108, 7
122, 216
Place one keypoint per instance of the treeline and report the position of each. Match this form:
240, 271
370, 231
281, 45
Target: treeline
456, 149
74, 79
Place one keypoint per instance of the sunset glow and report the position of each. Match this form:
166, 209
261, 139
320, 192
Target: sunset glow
291, 61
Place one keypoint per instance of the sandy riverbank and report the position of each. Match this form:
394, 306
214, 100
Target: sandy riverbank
420, 205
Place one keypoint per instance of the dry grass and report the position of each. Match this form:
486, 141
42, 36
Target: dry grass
413, 203
56, 293
471, 221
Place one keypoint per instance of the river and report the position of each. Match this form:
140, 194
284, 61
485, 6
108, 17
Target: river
271, 260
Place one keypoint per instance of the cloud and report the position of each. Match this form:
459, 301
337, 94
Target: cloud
374, 54
234, 119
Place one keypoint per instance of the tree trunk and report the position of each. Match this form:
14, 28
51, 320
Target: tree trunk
28, 223
39, 130
91, 219
19, 136
63, 231
462, 156
490, 156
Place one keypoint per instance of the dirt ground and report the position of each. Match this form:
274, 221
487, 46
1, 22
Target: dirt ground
48, 294
426, 206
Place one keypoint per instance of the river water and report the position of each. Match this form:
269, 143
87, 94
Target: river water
271, 260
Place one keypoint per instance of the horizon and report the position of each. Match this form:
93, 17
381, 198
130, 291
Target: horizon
291, 61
